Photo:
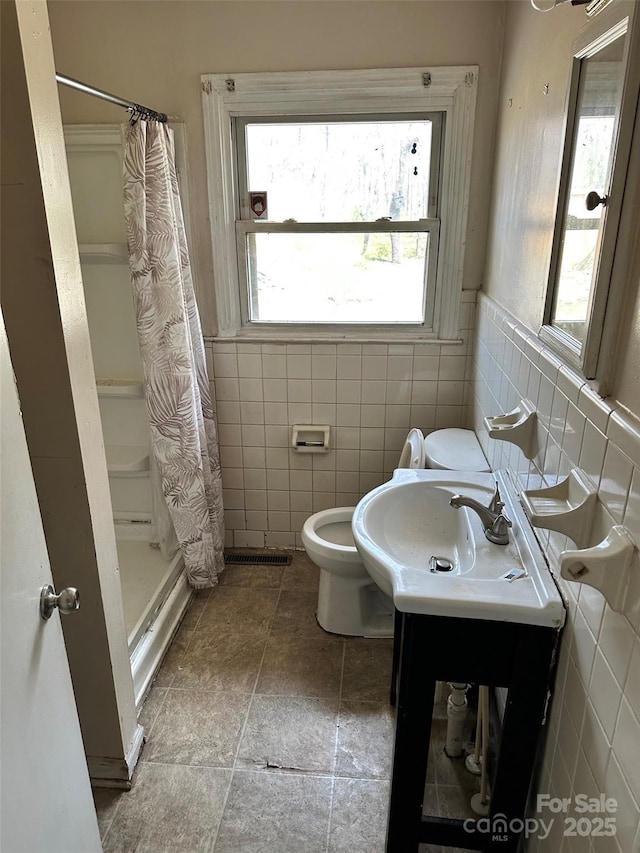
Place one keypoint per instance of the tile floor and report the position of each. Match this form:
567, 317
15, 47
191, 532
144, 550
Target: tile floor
264, 733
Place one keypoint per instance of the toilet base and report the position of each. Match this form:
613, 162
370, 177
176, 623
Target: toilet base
355, 607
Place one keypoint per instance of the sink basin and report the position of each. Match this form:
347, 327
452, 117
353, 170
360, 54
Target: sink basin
400, 527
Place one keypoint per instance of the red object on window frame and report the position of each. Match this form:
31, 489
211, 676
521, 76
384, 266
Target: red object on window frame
258, 204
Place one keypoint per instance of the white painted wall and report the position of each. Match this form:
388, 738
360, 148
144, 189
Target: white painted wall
530, 132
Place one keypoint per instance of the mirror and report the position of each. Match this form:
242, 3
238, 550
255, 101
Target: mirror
599, 87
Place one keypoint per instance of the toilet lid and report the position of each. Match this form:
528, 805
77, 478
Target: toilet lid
412, 455
454, 450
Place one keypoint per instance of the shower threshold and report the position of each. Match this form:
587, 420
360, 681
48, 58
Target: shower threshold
155, 595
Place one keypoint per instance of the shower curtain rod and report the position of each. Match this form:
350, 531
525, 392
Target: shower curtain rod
134, 109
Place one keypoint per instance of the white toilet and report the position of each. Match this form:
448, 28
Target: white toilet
349, 602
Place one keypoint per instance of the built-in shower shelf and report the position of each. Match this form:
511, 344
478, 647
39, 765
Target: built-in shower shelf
119, 387
103, 253
127, 460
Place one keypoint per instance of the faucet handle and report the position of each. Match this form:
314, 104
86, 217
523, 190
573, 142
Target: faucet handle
499, 530
496, 504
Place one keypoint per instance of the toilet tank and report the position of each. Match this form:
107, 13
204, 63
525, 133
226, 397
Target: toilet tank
454, 450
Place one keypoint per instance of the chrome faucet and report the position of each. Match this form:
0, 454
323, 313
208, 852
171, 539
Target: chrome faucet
495, 522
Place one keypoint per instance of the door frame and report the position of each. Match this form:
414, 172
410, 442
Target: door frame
51, 355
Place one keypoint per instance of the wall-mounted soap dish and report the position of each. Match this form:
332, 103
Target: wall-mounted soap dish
606, 566
515, 426
566, 507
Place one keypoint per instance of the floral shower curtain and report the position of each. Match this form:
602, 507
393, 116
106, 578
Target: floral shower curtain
183, 434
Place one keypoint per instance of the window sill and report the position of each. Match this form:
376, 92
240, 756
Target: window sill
316, 337
564, 347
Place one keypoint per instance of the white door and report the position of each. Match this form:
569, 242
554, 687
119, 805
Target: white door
46, 803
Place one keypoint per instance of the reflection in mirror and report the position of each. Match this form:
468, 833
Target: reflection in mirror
599, 88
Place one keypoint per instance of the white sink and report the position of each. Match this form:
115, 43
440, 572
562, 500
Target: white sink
402, 524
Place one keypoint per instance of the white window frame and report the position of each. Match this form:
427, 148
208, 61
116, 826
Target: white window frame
450, 90
247, 224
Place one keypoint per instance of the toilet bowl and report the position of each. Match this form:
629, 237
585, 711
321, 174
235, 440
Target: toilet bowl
349, 602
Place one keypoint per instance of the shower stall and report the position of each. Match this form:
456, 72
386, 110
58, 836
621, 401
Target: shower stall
155, 592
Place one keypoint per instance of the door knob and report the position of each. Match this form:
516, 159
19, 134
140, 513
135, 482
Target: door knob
592, 200
66, 601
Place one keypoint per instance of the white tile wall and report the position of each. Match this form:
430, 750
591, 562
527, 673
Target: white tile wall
594, 735
370, 395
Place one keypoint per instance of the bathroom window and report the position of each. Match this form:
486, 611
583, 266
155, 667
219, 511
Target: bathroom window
582, 301
338, 201
350, 228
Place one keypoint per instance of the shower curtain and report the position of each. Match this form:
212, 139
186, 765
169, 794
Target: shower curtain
184, 442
